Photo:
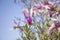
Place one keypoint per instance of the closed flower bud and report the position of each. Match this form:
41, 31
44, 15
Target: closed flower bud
27, 16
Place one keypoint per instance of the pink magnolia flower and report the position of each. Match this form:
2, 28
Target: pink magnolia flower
52, 10
27, 16
37, 6
53, 26
46, 3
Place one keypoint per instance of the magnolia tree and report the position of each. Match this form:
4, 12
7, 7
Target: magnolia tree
42, 20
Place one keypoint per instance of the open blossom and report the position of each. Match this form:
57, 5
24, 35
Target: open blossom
37, 6
53, 26
52, 10
46, 3
35, 9
27, 16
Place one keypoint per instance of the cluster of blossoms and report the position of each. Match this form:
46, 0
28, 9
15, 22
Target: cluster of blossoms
45, 8
46, 12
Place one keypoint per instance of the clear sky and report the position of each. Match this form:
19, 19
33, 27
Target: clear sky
7, 12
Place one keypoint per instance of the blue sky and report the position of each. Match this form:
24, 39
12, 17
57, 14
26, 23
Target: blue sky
8, 10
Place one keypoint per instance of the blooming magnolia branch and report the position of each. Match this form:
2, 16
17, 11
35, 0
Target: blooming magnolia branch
39, 16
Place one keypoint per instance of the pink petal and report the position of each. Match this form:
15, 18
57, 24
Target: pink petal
53, 26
